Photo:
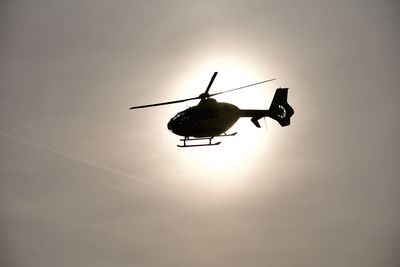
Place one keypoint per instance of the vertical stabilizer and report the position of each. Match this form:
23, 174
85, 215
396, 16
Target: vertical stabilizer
280, 110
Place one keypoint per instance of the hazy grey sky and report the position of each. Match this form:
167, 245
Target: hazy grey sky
86, 182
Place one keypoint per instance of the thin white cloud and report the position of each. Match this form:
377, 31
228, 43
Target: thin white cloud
85, 161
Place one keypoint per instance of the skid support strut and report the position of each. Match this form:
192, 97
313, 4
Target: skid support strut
188, 139
209, 138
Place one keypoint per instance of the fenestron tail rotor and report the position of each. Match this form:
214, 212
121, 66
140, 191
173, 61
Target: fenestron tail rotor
202, 96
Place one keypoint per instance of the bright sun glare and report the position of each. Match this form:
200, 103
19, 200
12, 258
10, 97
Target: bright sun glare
227, 163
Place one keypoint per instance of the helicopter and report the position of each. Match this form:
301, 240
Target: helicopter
210, 118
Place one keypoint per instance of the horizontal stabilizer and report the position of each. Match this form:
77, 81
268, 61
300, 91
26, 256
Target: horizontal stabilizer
254, 120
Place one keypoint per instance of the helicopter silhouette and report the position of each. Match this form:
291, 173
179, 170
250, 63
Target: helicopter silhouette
210, 118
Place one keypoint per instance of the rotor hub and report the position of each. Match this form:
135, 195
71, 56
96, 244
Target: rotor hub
204, 95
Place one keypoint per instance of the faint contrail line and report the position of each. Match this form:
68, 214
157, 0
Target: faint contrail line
88, 162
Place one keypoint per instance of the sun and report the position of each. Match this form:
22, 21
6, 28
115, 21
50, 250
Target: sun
226, 164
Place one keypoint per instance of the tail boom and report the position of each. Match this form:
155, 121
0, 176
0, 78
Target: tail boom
255, 115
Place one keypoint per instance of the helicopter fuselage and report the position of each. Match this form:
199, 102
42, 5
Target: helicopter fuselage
208, 118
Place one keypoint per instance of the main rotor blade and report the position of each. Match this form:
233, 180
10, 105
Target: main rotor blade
211, 82
165, 103
242, 87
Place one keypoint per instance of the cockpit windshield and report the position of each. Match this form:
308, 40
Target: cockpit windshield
179, 114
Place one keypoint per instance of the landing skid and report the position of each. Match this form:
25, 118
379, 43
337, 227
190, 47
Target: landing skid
188, 139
